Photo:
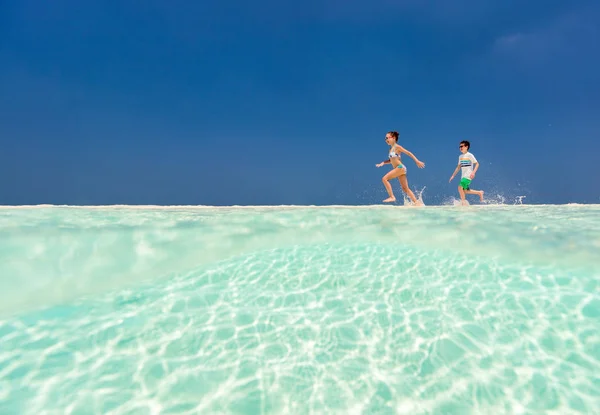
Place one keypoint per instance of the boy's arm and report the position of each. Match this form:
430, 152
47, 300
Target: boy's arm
476, 164
411, 155
474, 170
455, 172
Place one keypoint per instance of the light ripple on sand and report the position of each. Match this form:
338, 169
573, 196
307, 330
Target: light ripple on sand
338, 329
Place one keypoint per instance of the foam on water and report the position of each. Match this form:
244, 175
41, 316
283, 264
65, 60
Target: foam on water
257, 310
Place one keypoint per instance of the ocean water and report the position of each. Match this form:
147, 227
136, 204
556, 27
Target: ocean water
300, 310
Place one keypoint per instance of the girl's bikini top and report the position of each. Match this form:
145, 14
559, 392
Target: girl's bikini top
393, 152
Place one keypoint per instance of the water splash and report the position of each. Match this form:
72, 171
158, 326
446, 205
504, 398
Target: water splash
519, 200
418, 195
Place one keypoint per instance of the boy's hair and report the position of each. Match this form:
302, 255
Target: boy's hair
394, 134
465, 142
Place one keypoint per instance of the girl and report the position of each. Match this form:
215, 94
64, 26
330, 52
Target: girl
399, 170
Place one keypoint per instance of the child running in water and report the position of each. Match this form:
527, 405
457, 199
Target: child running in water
399, 170
465, 162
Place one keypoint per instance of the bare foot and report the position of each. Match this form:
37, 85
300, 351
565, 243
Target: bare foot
481, 195
389, 199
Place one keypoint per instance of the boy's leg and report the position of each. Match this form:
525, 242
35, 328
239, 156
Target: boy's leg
461, 192
465, 183
463, 187
475, 192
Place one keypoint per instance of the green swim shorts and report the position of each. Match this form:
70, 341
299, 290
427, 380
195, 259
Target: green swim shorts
464, 183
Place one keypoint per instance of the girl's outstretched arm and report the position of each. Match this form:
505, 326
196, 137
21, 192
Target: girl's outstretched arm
419, 163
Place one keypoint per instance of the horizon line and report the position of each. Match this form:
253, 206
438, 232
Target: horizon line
380, 205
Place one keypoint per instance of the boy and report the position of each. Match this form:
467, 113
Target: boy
465, 162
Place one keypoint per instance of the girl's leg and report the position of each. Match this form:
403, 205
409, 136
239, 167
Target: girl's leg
388, 186
404, 183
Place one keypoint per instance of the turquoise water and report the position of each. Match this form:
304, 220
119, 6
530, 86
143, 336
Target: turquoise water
300, 310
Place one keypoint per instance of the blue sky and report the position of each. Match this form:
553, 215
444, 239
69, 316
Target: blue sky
223, 103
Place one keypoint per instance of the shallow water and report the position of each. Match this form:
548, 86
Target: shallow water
328, 310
